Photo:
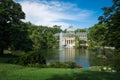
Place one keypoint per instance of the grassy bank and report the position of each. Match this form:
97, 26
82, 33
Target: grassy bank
16, 72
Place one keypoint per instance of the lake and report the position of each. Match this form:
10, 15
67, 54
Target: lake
83, 57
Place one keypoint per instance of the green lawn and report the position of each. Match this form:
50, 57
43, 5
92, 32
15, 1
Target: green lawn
16, 72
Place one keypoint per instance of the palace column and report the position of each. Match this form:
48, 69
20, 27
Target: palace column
65, 41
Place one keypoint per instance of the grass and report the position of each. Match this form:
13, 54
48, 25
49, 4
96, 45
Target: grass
17, 72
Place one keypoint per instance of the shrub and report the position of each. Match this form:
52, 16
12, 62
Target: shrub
71, 64
79, 66
37, 65
116, 62
106, 69
33, 57
63, 65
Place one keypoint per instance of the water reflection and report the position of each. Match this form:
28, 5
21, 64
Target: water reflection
83, 57
79, 56
67, 55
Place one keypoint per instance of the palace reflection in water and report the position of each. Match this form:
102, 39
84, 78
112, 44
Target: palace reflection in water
79, 56
83, 57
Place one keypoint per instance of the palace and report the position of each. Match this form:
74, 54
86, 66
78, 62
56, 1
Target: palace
68, 37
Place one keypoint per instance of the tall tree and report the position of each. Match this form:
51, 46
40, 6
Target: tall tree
81, 30
43, 36
56, 29
97, 34
10, 17
111, 17
19, 38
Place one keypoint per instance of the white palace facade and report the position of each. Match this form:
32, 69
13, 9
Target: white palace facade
67, 39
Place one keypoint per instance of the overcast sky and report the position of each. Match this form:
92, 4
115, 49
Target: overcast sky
77, 13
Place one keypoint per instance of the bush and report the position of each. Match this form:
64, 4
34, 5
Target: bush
37, 65
116, 62
33, 57
106, 69
63, 65
71, 64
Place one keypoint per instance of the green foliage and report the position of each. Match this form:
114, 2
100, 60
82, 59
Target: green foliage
56, 29
37, 65
8, 58
116, 62
43, 36
92, 44
20, 39
106, 69
82, 41
77, 44
113, 34
33, 57
97, 35
81, 30
78, 41
111, 17
63, 65
13, 32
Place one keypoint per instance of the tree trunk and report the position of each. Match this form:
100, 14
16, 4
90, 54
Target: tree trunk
1, 51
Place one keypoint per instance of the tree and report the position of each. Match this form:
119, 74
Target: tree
81, 30
10, 19
49, 40
56, 29
43, 36
97, 35
111, 17
20, 39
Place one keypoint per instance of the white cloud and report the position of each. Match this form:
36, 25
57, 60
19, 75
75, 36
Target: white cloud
51, 13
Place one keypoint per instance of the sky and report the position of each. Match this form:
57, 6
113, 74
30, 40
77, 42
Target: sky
64, 13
